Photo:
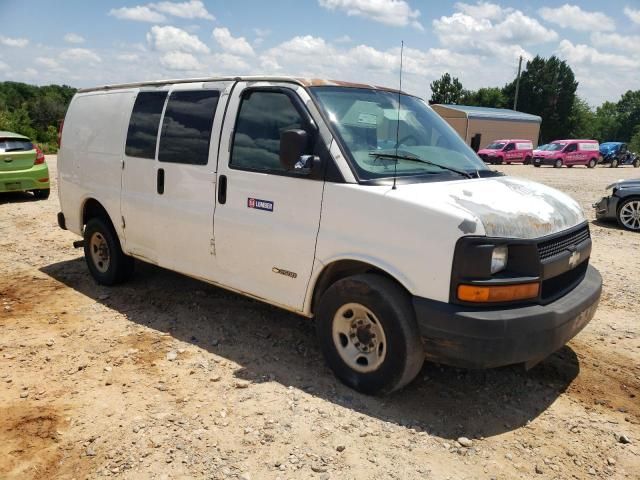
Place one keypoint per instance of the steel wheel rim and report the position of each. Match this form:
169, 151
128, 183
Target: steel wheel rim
630, 215
99, 249
359, 338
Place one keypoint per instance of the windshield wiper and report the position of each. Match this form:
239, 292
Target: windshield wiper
413, 158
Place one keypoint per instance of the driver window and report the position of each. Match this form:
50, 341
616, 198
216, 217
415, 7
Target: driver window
262, 118
572, 148
509, 147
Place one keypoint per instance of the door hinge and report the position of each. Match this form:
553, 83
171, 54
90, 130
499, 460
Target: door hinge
122, 164
123, 223
212, 247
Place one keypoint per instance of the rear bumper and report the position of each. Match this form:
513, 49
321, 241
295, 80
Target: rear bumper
23, 180
486, 338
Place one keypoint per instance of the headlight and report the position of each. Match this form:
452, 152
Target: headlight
499, 259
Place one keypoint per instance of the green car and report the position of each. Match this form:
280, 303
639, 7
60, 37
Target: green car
22, 166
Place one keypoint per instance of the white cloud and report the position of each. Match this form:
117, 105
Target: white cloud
397, 13
13, 42
73, 38
128, 57
3, 65
174, 39
180, 61
235, 45
490, 11
190, 9
140, 13
634, 15
47, 62
581, 54
629, 44
490, 30
80, 55
575, 18
30, 72
226, 62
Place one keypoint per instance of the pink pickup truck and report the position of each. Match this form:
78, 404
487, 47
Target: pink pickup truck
569, 153
507, 151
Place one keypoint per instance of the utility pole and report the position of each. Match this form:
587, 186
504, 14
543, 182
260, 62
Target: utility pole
515, 100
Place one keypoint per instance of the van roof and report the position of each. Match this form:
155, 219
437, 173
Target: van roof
5, 134
576, 140
514, 140
304, 82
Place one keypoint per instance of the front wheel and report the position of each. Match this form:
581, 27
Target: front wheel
527, 160
629, 214
614, 163
537, 165
557, 163
107, 262
592, 163
368, 333
636, 163
569, 166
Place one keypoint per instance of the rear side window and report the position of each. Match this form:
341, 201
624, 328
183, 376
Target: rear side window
262, 118
186, 128
15, 145
144, 123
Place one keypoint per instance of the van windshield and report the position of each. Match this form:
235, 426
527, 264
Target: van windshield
371, 128
495, 146
554, 147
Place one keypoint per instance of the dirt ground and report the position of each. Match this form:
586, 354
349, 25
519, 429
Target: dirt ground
168, 377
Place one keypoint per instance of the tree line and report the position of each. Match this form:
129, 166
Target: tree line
34, 111
548, 89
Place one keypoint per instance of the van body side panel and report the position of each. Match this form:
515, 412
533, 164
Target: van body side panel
93, 142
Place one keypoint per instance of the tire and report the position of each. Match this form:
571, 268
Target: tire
592, 163
107, 263
395, 354
628, 214
508, 163
42, 194
557, 163
614, 163
636, 163
527, 160
537, 165
569, 166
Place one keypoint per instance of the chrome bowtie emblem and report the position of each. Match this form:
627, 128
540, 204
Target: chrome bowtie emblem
574, 259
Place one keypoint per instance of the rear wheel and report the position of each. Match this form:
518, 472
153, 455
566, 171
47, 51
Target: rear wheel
629, 214
557, 163
636, 163
368, 334
107, 263
592, 163
527, 160
569, 166
42, 194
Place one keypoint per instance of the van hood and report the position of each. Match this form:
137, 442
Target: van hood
545, 153
488, 151
505, 207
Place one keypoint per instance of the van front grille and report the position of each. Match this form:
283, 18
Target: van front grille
554, 246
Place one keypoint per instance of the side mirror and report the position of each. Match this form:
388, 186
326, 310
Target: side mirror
293, 144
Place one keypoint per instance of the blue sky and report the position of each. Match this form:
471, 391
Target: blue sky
85, 43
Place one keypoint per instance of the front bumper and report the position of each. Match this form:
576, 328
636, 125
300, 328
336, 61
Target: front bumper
492, 337
24, 180
606, 208
543, 161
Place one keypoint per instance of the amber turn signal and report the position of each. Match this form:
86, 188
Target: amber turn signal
498, 293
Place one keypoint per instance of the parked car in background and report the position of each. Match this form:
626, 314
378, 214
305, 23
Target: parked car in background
569, 153
507, 151
22, 166
622, 205
540, 148
615, 154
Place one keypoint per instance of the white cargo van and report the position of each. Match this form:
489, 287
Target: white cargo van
352, 204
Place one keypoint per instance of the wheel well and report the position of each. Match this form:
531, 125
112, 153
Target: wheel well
342, 269
92, 209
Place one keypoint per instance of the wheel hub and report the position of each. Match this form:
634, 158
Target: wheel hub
359, 337
100, 254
